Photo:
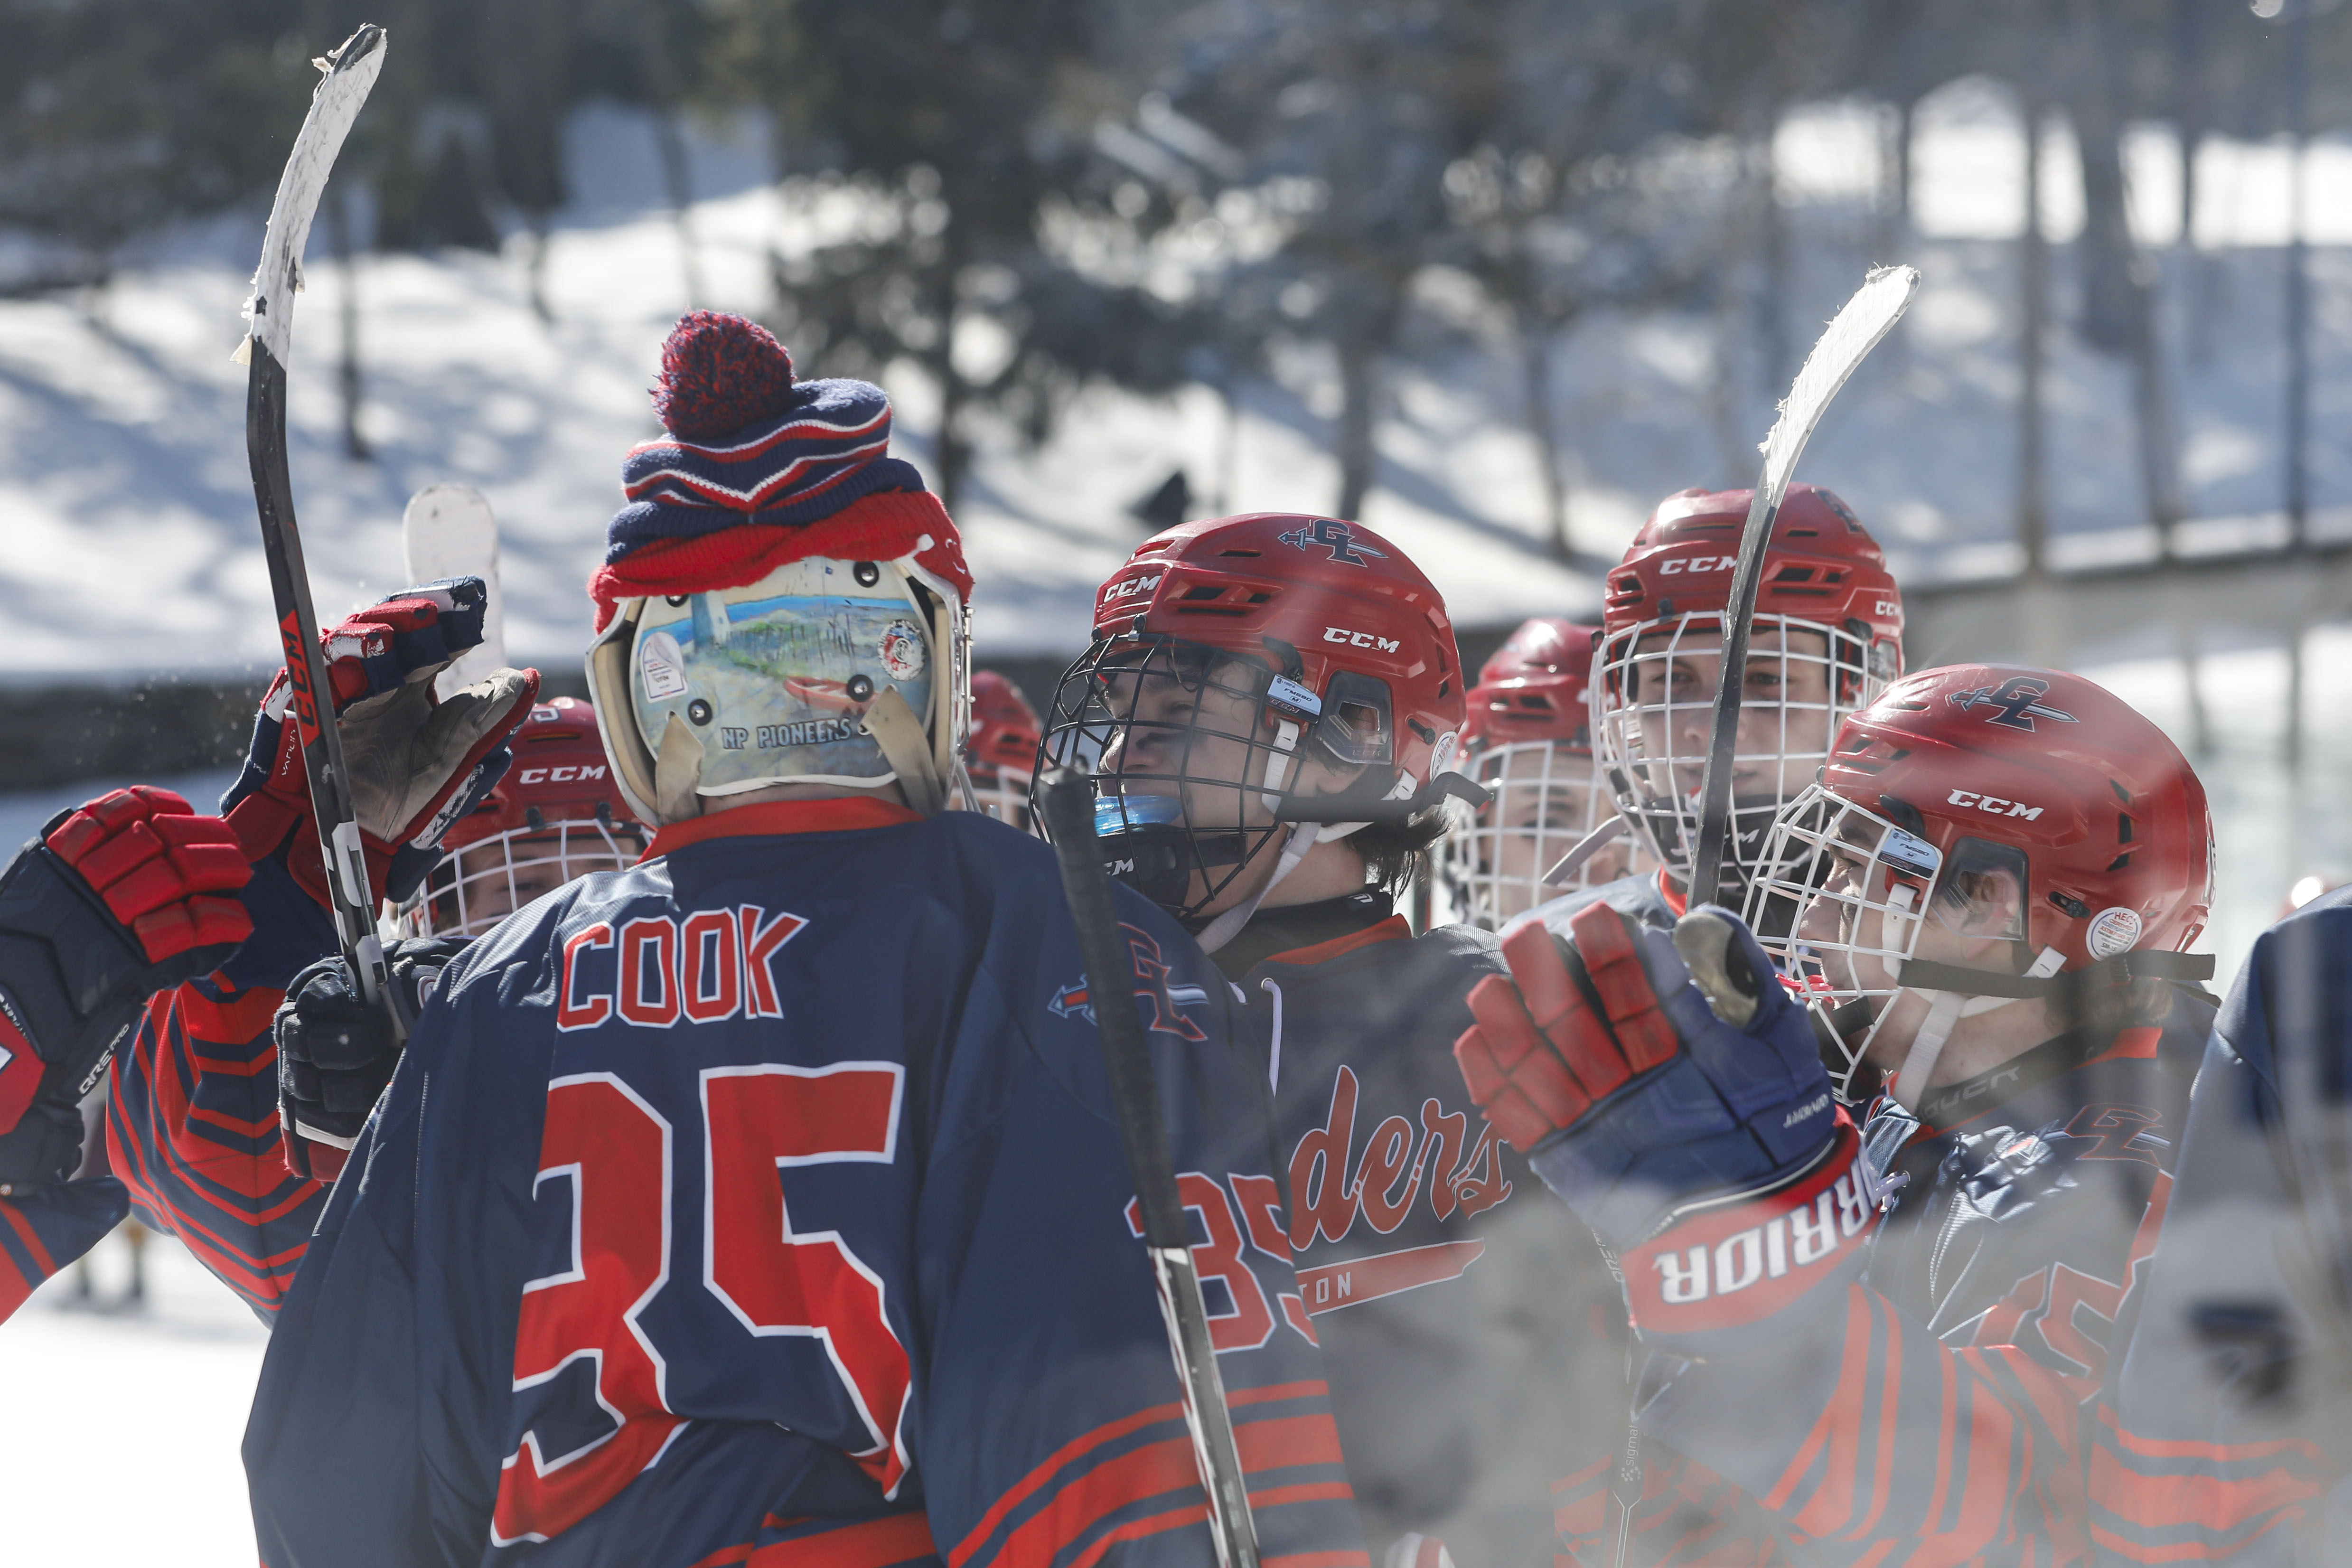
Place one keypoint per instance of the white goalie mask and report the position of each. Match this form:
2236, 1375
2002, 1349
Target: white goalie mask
848, 673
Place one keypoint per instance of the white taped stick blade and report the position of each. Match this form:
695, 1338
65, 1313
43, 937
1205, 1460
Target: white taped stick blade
269, 309
449, 530
1851, 333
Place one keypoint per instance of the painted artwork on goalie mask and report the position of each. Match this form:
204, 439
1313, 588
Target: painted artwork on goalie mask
777, 686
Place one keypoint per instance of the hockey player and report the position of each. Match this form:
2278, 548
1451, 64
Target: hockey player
1528, 742
192, 1122
131, 895
554, 816
764, 1200
1272, 707
1992, 886
2227, 1432
1002, 754
1828, 638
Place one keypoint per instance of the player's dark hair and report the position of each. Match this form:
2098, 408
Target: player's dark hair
1397, 853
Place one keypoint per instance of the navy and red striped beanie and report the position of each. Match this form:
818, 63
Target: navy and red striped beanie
758, 470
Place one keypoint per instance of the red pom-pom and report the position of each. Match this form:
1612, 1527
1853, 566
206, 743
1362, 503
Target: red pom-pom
721, 372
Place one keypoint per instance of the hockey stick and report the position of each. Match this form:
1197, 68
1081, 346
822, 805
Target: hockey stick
1875, 308
351, 71
1872, 312
1067, 796
449, 530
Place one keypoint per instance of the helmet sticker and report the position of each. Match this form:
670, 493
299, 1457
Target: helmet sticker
1440, 755
1334, 537
902, 651
2112, 930
662, 667
2015, 703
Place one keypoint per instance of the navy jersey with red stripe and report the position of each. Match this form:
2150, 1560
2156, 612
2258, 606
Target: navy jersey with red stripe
191, 1129
1449, 1288
1941, 1410
44, 1230
763, 1204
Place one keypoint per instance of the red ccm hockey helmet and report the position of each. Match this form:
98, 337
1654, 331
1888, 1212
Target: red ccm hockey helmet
1000, 752
1227, 654
2030, 810
1528, 742
555, 815
1828, 637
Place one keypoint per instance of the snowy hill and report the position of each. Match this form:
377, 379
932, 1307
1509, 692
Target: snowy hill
123, 475
130, 521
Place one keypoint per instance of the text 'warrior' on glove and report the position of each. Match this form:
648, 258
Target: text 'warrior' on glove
336, 1052
1692, 1127
416, 764
117, 900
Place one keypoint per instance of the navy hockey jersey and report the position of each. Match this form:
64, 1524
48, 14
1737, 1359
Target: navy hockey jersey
191, 1129
763, 1204
2229, 1434
1449, 1288
42, 1231
1948, 1405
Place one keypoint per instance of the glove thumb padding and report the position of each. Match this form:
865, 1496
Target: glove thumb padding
407, 754
1721, 954
1762, 1058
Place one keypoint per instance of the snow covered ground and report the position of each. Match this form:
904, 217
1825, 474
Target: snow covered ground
120, 1445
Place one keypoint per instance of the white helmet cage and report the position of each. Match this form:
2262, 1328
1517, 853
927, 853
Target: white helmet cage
475, 886
1861, 887
1547, 796
1653, 707
932, 607
1003, 794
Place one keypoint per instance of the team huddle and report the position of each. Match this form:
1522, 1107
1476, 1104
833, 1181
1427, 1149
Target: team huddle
747, 1187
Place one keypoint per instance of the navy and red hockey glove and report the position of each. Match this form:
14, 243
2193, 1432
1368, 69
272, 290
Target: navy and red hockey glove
417, 762
1693, 1128
120, 899
336, 1052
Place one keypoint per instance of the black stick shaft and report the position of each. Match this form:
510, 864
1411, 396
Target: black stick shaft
1067, 796
1722, 737
305, 672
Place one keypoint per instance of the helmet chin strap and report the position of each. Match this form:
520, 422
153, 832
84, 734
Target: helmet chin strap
1945, 1008
1228, 925
1303, 836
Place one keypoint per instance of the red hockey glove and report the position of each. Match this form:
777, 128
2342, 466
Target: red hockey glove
154, 861
1659, 1106
417, 764
118, 900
